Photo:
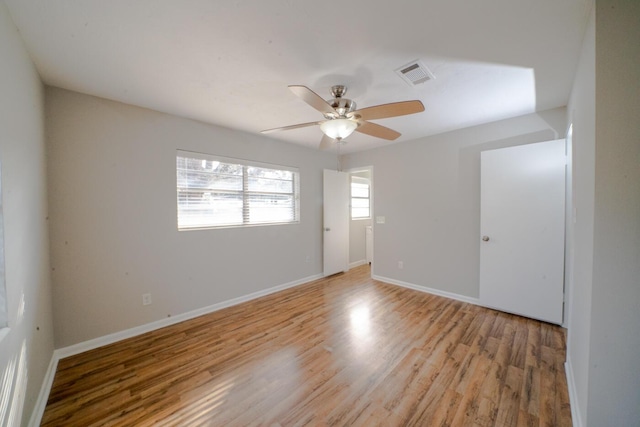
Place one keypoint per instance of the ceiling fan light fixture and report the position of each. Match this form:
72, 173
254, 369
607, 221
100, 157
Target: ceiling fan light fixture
338, 128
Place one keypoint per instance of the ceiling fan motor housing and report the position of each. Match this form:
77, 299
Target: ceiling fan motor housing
342, 107
340, 104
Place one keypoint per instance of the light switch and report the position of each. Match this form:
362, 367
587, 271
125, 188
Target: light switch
380, 220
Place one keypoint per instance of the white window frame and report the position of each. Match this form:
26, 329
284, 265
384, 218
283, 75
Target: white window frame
362, 180
245, 194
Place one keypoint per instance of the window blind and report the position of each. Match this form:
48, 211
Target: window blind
360, 198
222, 192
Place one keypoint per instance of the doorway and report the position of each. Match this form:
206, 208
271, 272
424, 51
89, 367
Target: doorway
361, 216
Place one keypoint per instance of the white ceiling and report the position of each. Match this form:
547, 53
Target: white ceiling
229, 62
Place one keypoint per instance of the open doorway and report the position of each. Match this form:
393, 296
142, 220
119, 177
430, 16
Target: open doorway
361, 214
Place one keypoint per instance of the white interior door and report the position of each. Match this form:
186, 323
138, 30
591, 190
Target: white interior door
336, 222
522, 227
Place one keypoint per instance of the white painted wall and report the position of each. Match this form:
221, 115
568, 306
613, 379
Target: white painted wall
26, 350
112, 207
113, 218
614, 356
428, 190
604, 245
582, 113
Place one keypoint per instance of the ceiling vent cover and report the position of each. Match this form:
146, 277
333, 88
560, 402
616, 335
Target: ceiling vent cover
415, 73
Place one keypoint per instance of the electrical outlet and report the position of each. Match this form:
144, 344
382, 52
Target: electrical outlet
146, 299
308, 259
400, 265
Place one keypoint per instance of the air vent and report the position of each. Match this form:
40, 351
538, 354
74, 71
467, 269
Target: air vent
415, 73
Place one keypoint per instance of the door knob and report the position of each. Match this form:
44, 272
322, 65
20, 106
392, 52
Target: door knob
485, 238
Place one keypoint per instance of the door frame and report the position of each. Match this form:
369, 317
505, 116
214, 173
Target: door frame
368, 169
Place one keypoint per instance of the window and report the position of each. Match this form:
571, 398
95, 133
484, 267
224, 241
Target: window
360, 197
222, 192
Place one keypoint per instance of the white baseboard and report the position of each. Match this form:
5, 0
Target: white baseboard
72, 350
357, 263
451, 295
571, 385
45, 389
425, 289
43, 396
573, 395
139, 330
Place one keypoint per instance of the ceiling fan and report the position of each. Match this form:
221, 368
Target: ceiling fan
342, 118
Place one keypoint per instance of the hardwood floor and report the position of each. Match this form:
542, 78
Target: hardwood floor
344, 351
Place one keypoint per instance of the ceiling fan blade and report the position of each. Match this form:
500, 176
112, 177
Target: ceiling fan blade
313, 99
300, 125
325, 142
377, 131
393, 109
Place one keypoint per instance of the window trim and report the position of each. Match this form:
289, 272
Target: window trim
245, 192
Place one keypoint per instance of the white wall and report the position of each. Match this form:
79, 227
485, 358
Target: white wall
614, 359
428, 190
582, 113
113, 218
603, 340
27, 349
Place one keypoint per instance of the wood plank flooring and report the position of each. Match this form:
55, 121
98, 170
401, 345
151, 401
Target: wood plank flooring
341, 351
